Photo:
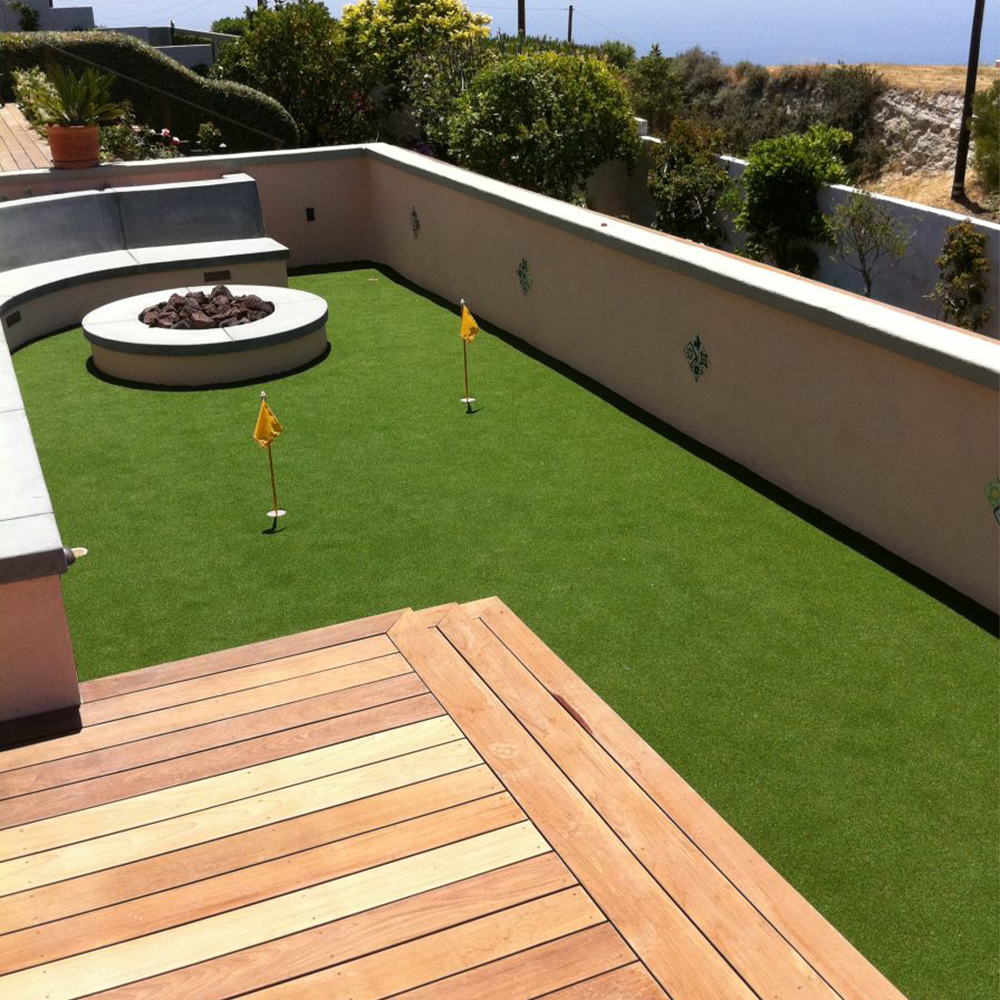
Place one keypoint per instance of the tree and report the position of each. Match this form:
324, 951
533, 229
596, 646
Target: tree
656, 89
436, 81
781, 181
689, 186
230, 25
296, 54
986, 134
386, 38
867, 237
544, 121
963, 265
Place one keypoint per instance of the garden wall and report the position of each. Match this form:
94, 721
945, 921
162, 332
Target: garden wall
614, 191
882, 419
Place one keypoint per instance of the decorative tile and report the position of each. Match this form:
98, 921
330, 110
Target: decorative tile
993, 496
414, 222
697, 358
524, 275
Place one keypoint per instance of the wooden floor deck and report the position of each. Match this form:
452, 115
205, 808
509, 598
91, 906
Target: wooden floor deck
21, 148
416, 805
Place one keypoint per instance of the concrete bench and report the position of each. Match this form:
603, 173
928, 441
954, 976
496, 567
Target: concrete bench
63, 255
60, 257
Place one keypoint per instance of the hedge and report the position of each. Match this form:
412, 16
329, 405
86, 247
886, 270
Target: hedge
229, 105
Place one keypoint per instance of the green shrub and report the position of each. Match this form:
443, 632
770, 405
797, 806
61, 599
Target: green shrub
296, 53
32, 88
155, 86
847, 100
386, 37
701, 74
436, 81
544, 121
126, 140
621, 55
656, 89
688, 185
963, 265
867, 237
209, 138
986, 133
28, 15
781, 181
231, 25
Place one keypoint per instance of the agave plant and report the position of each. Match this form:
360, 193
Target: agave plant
78, 100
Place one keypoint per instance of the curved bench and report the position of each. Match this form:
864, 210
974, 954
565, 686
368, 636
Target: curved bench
60, 257
63, 255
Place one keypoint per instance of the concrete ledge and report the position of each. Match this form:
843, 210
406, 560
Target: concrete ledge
124, 347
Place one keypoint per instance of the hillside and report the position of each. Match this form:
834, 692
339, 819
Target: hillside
932, 79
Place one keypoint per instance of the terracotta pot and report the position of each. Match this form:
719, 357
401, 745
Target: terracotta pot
74, 146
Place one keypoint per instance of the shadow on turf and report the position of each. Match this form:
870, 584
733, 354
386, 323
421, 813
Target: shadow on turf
128, 384
913, 575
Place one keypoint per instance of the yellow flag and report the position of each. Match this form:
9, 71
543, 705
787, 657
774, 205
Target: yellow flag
469, 326
267, 428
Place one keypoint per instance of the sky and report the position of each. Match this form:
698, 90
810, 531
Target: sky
765, 31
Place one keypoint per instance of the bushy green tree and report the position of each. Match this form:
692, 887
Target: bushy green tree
963, 265
544, 121
231, 25
781, 181
436, 81
656, 89
986, 133
295, 53
387, 38
689, 186
867, 237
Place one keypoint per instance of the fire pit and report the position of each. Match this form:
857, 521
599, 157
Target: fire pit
199, 310
207, 335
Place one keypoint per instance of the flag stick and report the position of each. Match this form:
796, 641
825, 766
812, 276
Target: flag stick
274, 487
465, 358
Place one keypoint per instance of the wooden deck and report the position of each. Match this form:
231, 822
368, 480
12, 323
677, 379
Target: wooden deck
21, 148
416, 805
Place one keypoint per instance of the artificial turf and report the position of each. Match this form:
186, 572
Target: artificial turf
843, 719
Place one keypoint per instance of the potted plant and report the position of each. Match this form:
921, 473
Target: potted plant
72, 110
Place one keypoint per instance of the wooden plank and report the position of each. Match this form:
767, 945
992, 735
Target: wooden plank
233, 817
474, 609
201, 940
199, 713
632, 982
542, 969
198, 689
167, 803
674, 951
227, 853
448, 952
831, 954
216, 761
238, 656
251, 884
153, 749
750, 944
299, 954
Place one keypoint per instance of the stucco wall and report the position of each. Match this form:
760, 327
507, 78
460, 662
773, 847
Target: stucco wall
617, 192
884, 420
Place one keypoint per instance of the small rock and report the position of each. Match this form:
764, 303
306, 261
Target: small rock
199, 321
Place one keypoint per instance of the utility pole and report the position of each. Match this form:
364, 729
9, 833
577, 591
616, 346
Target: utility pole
569, 27
520, 20
962, 153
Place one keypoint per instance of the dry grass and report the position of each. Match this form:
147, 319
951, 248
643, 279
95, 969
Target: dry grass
934, 188
934, 79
